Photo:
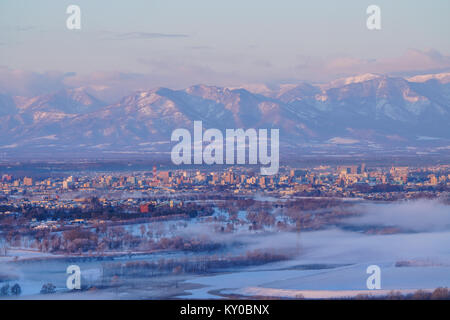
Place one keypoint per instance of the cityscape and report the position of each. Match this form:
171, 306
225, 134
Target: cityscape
173, 224
224, 158
351, 181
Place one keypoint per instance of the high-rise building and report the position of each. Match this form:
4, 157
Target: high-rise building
7, 177
353, 169
399, 173
164, 176
362, 168
27, 181
433, 179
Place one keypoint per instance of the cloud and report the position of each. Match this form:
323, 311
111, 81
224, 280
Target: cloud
185, 71
111, 85
413, 61
148, 35
108, 85
25, 28
418, 215
340, 140
416, 61
195, 67
200, 47
19, 28
20, 82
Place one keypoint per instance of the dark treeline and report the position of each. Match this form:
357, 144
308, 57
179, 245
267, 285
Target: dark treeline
197, 265
96, 210
437, 294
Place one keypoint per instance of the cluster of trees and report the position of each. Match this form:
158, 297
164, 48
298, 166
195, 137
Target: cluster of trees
260, 218
16, 290
386, 188
79, 240
296, 214
190, 210
313, 214
7, 290
15, 229
193, 244
197, 265
258, 213
94, 209
437, 294
101, 238
48, 288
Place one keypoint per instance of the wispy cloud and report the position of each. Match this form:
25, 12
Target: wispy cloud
413, 61
148, 35
200, 47
21, 82
25, 28
175, 71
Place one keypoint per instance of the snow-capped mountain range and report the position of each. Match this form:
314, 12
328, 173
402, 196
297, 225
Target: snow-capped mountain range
360, 111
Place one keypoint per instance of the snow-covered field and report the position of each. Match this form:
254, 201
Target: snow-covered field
329, 263
332, 263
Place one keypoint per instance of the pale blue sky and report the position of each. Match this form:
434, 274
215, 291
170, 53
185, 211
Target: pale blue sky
182, 42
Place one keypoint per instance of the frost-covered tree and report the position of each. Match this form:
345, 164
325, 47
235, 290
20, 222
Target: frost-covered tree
4, 290
16, 290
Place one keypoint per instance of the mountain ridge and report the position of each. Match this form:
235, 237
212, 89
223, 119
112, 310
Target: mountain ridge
361, 111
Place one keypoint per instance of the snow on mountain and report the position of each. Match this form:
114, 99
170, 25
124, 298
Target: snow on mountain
299, 92
349, 80
72, 101
258, 88
441, 77
359, 111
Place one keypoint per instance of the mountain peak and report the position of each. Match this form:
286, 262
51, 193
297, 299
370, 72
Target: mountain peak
367, 106
353, 79
441, 77
71, 101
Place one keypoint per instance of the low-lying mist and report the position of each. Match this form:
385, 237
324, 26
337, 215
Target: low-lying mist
424, 234
413, 215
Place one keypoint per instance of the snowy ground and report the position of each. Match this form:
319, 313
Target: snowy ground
329, 263
332, 263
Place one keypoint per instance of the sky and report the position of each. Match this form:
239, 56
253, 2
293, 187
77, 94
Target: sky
177, 43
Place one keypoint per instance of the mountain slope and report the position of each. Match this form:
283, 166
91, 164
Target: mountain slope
71, 101
361, 111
